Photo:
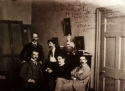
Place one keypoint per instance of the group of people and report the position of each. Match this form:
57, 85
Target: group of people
56, 74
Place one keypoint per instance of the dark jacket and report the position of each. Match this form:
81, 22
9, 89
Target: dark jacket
52, 65
28, 49
27, 71
57, 52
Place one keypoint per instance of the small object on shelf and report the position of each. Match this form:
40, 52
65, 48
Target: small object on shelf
82, 52
69, 43
68, 49
86, 53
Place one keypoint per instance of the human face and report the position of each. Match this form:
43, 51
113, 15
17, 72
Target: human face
60, 60
51, 45
83, 61
35, 37
35, 55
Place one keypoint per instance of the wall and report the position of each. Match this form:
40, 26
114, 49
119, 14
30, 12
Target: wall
16, 10
13, 10
47, 18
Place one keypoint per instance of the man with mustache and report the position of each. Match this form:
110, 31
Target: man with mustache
31, 74
26, 52
79, 78
51, 65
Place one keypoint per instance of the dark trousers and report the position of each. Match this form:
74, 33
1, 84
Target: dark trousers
50, 84
37, 86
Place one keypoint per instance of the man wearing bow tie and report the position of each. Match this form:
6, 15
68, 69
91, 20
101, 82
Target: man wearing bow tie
26, 52
31, 73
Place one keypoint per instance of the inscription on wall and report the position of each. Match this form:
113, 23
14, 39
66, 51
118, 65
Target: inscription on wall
81, 14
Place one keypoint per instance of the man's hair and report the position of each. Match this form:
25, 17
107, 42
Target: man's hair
61, 55
35, 33
51, 40
82, 56
35, 51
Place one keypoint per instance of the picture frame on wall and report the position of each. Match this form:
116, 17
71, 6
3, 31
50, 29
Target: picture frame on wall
79, 42
67, 26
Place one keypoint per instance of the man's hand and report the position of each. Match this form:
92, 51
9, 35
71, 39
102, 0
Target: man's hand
40, 62
73, 78
80, 71
23, 61
31, 80
48, 70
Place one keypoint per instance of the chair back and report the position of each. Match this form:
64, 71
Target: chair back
88, 84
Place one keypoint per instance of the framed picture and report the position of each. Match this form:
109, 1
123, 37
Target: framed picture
79, 43
67, 26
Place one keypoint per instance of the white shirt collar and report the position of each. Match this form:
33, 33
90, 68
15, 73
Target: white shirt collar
34, 43
53, 49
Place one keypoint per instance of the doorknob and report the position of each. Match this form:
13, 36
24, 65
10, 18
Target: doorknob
102, 72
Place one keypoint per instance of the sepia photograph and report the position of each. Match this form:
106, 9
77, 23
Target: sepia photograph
62, 45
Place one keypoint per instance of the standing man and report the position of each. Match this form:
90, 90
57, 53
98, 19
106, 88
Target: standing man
28, 48
31, 73
51, 65
79, 78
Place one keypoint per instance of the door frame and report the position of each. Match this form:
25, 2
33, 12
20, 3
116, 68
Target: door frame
97, 48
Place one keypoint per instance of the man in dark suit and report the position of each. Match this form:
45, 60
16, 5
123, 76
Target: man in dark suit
28, 48
51, 65
31, 73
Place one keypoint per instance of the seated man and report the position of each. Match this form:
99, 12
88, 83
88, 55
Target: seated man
31, 73
51, 65
79, 78
63, 71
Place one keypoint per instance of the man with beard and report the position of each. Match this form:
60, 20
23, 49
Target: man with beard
79, 78
31, 73
51, 65
26, 52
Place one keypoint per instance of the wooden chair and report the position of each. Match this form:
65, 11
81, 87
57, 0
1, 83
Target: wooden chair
88, 84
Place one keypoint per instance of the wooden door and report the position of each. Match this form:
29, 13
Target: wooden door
11, 43
112, 49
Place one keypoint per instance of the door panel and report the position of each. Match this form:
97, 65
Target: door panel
122, 85
10, 47
115, 23
6, 49
7, 64
16, 38
122, 53
109, 84
109, 49
112, 60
